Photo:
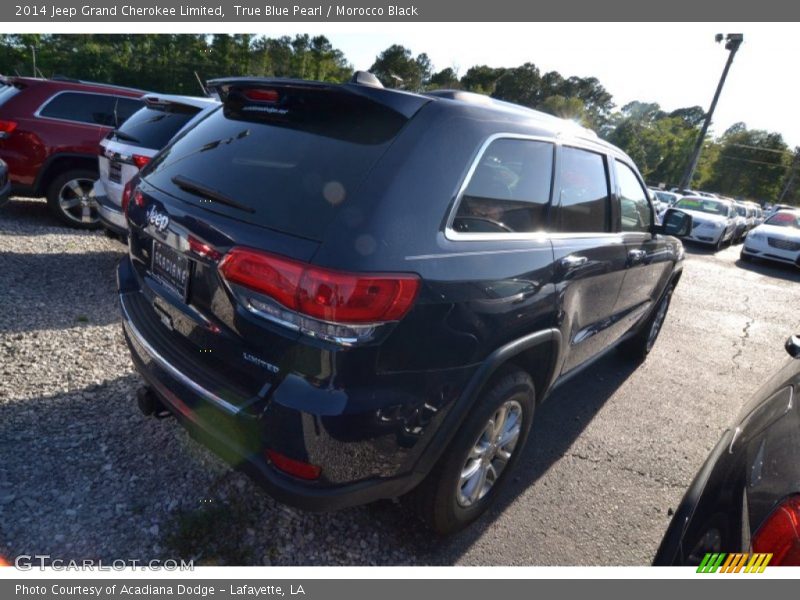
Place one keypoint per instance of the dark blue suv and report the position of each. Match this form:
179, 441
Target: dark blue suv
354, 293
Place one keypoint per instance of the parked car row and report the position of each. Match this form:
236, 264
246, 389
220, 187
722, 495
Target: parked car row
52, 129
719, 220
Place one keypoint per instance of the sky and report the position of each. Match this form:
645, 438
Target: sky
673, 64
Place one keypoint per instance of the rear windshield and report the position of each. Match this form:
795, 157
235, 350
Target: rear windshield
294, 164
154, 126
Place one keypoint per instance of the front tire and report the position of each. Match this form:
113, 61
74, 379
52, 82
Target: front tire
70, 197
473, 469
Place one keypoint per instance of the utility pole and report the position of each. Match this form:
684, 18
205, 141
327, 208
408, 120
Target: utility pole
733, 41
33, 51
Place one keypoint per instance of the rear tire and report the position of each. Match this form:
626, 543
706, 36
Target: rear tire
70, 197
474, 467
640, 345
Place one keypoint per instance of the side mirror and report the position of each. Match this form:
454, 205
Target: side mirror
675, 222
793, 346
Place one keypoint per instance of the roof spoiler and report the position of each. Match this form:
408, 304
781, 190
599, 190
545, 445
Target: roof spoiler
363, 84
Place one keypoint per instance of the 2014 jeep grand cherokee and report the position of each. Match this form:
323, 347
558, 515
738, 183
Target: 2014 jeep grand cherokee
354, 293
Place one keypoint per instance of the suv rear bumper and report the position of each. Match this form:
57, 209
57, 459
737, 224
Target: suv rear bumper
111, 216
236, 429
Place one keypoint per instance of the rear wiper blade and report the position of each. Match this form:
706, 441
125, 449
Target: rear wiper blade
198, 189
125, 136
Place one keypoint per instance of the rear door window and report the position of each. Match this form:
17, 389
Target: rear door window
154, 126
295, 160
509, 190
95, 109
584, 201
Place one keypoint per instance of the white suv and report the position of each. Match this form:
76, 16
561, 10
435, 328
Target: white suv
126, 150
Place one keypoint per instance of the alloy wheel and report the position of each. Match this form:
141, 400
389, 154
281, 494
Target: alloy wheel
77, 201
490, 454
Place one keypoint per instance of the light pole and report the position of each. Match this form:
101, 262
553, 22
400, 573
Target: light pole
733, 41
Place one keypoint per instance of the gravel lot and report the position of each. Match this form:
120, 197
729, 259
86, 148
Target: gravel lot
84, 475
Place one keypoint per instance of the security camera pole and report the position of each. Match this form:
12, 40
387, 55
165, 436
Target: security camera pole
733, 41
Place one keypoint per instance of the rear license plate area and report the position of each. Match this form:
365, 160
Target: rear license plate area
115, 171
171, 268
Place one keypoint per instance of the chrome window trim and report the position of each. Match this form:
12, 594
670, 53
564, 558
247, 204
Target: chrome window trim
174, 371
557, 141
38, 114
458, 236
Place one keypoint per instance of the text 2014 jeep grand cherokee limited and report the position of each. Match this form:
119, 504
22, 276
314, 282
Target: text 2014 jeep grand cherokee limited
354, 293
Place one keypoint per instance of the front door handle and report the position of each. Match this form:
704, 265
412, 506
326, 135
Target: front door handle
573, 262
636, 256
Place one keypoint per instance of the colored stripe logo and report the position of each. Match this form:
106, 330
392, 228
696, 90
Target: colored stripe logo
734, 563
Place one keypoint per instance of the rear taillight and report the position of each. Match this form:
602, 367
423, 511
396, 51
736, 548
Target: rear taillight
296, 468
140, 161
6, 128
779, 535
128, 192
322, 293
355, 301
126, 197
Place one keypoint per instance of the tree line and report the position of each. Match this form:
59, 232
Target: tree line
740, 162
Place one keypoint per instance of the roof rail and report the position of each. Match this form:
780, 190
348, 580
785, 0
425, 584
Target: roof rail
67, 79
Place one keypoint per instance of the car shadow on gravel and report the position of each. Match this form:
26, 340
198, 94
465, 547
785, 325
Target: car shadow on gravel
57, 291
770, 269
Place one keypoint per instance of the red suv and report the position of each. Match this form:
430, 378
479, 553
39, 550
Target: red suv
49, 135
